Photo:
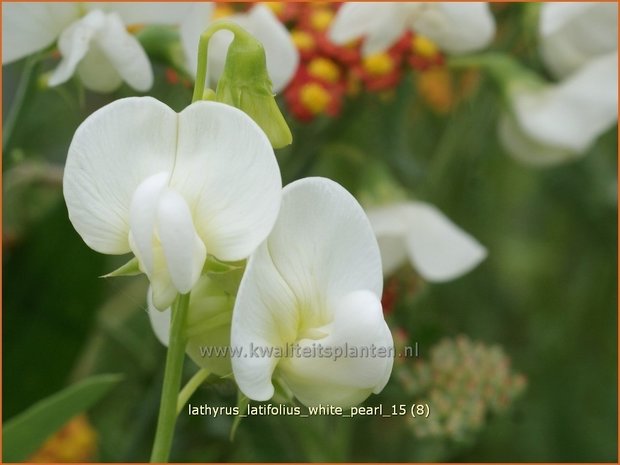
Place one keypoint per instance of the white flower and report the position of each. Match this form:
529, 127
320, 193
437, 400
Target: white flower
92, 39
552, 123
281, 54
455, 27
171, 187
571, 34
420, 233
314, 284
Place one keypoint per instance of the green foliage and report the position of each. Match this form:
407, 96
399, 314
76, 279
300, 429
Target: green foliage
22, 435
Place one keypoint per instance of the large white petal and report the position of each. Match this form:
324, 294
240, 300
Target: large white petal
572, 114
320, 249
112, 152
29, 27
573, 33
97, 73
323, 377
160, 321
146, 13
457, 27
74, 44
229, 176
125, 53
391, 229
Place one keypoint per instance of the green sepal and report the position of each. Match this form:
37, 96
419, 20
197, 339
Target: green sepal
131, 268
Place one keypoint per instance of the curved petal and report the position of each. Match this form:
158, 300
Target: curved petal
227, 172
572, 114
112, 152
74, 44
146, 13
459, 27
354, 360
320, 249
192, 26
29, 27
528, 150
574, 33
184, 251
439, 249
125, 53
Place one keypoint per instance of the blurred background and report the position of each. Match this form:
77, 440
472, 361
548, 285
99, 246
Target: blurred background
518, 358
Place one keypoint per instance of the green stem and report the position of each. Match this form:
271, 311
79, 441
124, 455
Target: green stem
203, 48
172, 381
18, 101
190, 388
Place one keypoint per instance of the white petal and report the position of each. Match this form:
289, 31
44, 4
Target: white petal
192, 27
74, 43
321, 249
112, 152
160, 321
184, 251
125, 53
142, 219
457, 27
263, 318
29, 27
97, 73
573, 33
146, 13
529, 150
227, 172
281, 54
439, 249
572, 114
381, 24
358, 324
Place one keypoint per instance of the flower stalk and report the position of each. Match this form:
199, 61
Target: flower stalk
172, 381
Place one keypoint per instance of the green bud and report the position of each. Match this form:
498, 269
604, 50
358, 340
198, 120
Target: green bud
245, 82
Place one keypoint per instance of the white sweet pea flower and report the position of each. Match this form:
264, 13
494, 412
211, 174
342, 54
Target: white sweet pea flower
573, 33
552, 123
281, 54
171, 187
92, 39
419, 233
455, 27
314, 284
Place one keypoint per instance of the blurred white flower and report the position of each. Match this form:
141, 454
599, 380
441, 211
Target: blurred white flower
420, 233
171, 187
455, 27
571, 34
554, 123
92, 39
281, 54
315, 282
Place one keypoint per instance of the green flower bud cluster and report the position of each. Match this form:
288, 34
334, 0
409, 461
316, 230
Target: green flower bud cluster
463, 383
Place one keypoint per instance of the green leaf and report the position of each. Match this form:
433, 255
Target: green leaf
242, 403
131, 268
25, 433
